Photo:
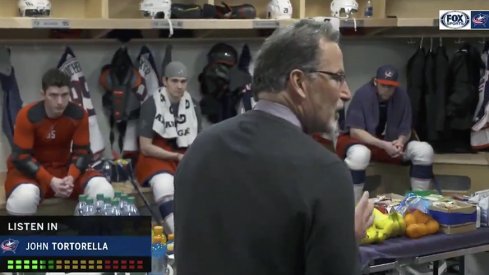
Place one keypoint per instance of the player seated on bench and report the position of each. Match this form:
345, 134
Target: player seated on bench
51, 151
378, 124
168, 124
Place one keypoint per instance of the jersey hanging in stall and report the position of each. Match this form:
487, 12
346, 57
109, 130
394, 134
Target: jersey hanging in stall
80, 95
11, 96
246, 66
147, 69
479, 136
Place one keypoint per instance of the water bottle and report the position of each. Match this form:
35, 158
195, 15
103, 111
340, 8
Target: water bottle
99, 204
369, 9
79, 209
123, 204
131, 209
106, 210
89, 209
158, 251
107, 171
115, 211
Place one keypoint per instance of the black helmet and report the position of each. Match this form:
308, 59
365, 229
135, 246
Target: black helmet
223, 53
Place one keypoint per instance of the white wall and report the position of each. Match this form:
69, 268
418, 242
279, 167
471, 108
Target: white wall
31, 60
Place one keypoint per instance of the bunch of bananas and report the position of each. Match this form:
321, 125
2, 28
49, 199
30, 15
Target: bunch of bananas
384, 226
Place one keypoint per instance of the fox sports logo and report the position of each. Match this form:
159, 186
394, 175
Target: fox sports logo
455, 19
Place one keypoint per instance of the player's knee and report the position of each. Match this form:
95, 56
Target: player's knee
24, 200
420, 153
357, 157
162, 185
99, 185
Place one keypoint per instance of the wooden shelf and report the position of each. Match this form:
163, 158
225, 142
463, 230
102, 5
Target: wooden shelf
390, 18
417, 22
369, 23
196, 24
88, 23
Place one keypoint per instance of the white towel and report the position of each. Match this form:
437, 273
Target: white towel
185, 129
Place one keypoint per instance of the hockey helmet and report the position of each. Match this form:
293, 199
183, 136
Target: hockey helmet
279, 9
33, 8
156, 8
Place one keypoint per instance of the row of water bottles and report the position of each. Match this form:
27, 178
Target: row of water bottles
120, 205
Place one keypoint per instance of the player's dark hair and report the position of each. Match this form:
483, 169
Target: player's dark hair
55, 78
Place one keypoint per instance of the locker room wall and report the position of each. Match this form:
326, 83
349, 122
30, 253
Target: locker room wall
361, 56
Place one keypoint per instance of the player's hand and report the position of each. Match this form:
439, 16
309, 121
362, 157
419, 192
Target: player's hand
363, 215
392, 150
179, 156
70, 182
398, 144
60, 188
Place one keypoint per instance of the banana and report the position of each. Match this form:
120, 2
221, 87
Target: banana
383, 223
371, 236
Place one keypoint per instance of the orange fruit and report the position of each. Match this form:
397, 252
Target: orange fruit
412, 231
409, 219
416, 230
421, 217
433, 226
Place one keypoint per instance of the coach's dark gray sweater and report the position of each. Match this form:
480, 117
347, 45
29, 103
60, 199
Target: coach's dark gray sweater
254, 195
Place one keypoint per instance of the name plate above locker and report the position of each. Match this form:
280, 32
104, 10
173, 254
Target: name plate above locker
165, 24
265, 24
48, 23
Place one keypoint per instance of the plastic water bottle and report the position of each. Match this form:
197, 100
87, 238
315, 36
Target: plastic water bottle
369, 9
115, 211
158, 251
99, 204
117, 194
123, 204
131, 209
80, 206
107, 171
89, 208
106, 210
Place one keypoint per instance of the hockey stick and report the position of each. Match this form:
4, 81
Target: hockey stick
138, 189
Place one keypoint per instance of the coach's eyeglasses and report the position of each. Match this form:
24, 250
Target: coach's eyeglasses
340, 78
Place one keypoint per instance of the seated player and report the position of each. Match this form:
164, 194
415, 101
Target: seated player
51, 151
378, 124
168, 124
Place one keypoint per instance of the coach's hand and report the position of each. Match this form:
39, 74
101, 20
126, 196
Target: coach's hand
363, 215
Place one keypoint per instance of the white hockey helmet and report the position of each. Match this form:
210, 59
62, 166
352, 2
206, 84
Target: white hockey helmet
279, 9
347, 6
156, 8
34, 8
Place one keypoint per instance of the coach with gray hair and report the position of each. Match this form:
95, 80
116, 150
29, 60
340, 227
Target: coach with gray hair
255, 194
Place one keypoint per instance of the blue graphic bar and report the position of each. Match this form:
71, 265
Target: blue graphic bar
75, 246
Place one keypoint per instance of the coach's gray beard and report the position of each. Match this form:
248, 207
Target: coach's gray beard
332, 128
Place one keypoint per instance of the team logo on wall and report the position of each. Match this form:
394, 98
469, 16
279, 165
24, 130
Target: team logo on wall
454, 20
479, 19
